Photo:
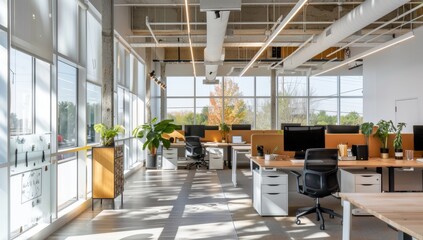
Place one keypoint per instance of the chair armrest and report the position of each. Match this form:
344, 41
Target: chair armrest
298, 176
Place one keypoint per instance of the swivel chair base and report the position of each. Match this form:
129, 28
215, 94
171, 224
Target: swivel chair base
319, 212
197, 164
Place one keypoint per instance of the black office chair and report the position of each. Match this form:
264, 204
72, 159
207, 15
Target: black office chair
195, 151
319, 180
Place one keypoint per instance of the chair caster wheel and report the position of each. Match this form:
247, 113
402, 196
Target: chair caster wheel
331, 216
298, 221
322, 227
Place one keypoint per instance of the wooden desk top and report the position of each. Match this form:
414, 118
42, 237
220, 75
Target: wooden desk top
212, 144
241, 147
403, 211
372, 162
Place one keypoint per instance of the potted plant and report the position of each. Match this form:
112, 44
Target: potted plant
152, 132
367, 129
224, 130
107, 134
382, 132
398, 140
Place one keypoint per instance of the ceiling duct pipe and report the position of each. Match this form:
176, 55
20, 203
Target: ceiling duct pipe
361, 16
217, 21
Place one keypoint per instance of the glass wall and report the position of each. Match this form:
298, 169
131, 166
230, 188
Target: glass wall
320, 100
66, 105
233, 100
21, 93
93, 111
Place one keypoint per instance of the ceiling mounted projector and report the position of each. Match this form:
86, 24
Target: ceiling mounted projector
214, 81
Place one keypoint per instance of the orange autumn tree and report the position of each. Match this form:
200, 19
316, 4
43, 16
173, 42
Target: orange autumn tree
235, 108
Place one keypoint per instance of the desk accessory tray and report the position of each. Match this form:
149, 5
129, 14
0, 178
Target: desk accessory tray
347, 158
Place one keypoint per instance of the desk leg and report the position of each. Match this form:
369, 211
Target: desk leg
346, 221
391, 180
234, 160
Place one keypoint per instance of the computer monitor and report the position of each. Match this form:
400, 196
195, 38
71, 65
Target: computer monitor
241, 126
211, 127
195, 130
418, 137
290, 125
301, 138
343, 129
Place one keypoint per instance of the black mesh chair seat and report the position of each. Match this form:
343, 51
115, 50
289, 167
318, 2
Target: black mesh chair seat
195, 151
319, 179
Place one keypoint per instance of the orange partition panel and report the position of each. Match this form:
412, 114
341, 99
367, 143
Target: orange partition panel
332, 140
269, 141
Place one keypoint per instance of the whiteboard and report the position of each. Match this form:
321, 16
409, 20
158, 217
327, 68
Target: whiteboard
31, 185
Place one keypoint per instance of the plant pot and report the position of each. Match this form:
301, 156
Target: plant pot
384, 153
151, 161
399, 154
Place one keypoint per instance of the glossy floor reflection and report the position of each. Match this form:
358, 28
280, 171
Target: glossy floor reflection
201, 204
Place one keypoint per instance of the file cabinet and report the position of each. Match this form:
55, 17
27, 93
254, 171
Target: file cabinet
360, 181
270, 193
170, 159
215, 156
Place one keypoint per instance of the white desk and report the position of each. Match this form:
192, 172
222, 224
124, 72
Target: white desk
403, 211
237, 149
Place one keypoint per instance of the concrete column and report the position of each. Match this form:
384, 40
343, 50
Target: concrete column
148, 85
107, 109
273, 89
163, 95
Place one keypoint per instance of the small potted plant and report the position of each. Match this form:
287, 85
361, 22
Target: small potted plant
107, 134
152, 132
398, 140
367, 129
271, 156
382, 132
224, 130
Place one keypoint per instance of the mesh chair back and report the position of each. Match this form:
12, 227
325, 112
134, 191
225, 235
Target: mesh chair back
193, 146
320, 172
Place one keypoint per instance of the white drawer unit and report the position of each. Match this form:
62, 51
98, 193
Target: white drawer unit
270, 193
215, 156
170, 159
360, 181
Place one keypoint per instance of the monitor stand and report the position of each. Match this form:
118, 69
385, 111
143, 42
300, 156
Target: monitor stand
299, 155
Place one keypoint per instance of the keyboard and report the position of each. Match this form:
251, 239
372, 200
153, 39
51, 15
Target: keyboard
419, 160
297, 160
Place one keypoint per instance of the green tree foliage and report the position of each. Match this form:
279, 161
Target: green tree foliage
352, 118
67, 121
322, 118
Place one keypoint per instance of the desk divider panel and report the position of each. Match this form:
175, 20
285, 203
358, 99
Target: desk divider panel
268, 141
332, 140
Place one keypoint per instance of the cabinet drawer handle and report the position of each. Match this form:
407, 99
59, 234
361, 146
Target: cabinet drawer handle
273, 185
367, 184
273, 193
273, 176
368, 176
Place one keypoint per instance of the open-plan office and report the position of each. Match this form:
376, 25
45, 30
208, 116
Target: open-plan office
211, 119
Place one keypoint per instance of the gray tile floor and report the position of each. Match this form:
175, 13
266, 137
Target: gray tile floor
190, 204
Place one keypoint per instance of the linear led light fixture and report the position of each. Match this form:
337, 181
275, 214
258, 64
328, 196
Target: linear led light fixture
374, 30
296, 50
272, 37
376, 49
189, 38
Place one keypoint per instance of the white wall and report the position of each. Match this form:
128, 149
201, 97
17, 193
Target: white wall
393, 74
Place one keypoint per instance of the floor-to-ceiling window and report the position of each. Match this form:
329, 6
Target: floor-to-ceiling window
67, 169
233, 100
320, 100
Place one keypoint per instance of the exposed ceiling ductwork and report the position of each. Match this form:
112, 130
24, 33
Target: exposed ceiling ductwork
217, 21
214, 53
363, 15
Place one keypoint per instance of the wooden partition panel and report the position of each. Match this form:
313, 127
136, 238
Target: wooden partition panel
269, 142
332, 140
